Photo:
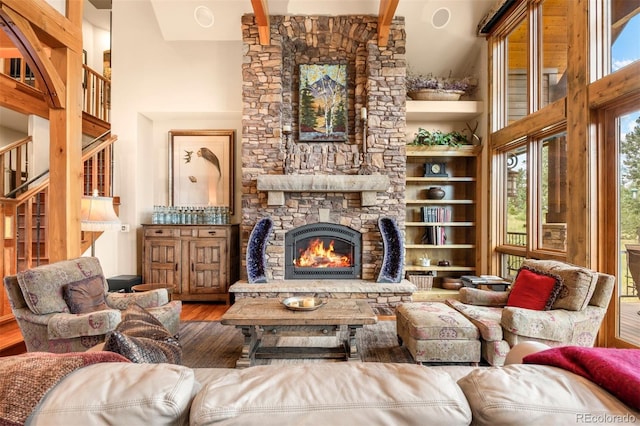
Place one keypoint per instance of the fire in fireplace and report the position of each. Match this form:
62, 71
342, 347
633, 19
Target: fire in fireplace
317, 256
323, 250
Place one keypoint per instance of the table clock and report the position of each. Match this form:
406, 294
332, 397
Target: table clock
435, 169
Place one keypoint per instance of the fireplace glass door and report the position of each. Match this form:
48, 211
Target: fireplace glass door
323, 250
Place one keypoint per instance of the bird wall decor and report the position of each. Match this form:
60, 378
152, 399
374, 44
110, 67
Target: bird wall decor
208, 155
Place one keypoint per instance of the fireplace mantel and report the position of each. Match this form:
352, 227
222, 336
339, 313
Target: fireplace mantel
367, 185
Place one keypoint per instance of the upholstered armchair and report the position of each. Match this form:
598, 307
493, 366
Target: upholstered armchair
573, 317
43, 300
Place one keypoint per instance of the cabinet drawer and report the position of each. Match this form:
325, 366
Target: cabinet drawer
162, 232
213, 233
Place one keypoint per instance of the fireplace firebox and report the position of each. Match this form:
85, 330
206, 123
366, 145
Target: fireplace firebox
323, 250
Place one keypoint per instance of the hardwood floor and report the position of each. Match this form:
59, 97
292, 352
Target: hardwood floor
202, 311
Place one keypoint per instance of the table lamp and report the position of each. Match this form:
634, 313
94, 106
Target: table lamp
97, 215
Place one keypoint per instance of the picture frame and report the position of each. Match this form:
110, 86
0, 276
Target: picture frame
201, 168
323, 103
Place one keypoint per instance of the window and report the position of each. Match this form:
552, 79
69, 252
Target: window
534, 45
516, 196
621, 125
552, 210
624, 34
517, 72
535, 198
554, 37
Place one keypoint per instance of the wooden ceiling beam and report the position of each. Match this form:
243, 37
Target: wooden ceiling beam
27, 42
261, 11
385, 16
53, 28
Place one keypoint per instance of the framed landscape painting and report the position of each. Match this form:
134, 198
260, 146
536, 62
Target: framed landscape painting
201, 168
323, 103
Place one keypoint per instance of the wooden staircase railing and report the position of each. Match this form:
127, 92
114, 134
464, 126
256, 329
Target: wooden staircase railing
14, 160
24, 212
97, 94
96, 105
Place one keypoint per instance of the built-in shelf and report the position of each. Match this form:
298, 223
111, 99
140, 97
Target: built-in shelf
445, 179
443, 151
421, 224
443, 110
444, 246
452, 268
444, 202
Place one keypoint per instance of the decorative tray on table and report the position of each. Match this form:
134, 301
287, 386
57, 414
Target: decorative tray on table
303, 303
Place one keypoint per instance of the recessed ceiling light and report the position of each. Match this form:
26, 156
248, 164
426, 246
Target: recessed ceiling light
203, 16
441, 18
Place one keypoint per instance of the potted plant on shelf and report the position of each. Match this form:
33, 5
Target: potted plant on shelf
427, 87
425, 137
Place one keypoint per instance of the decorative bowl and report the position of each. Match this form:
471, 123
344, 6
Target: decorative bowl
451, 283
435, 193
303, 303
435, 95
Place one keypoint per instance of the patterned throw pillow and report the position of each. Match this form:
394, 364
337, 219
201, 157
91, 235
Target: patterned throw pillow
141, 338
578, 283
85, 296
534, 290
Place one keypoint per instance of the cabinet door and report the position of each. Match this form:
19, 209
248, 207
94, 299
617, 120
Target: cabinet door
162, 262
208, 266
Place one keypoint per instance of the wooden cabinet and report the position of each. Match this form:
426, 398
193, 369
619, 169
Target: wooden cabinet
200, 261
442, 229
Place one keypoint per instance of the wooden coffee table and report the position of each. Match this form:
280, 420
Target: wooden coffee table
255, 317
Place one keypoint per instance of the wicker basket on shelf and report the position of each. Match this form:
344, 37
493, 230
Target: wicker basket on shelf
423, 282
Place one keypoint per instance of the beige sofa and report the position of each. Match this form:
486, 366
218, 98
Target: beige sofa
350, 393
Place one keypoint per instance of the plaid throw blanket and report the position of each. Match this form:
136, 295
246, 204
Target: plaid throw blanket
616, 370
25, 379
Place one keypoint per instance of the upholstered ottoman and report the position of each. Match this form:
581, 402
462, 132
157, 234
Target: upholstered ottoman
435, 332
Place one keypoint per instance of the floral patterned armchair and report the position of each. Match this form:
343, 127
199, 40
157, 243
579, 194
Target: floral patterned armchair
40, 300
573, 319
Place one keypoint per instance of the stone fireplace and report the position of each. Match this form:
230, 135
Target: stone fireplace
352, 183
323, 251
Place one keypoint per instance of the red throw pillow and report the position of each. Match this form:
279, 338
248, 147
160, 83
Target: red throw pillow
534, 290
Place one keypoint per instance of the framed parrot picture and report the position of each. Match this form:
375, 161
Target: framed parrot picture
201, 168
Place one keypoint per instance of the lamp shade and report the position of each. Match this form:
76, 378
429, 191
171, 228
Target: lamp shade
97, 214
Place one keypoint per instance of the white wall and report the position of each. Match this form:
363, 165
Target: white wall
40, 134
95, 41
453, 48
159, 86
8, 136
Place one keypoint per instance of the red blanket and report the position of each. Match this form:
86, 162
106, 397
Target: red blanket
26, 378
616, 370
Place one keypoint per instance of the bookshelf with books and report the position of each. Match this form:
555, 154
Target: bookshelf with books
441, 228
